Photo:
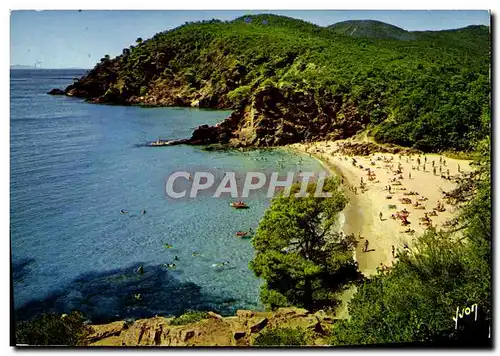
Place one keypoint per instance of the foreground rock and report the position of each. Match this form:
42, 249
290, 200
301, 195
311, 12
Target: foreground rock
239, 330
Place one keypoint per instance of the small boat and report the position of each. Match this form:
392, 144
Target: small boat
239, 205
159, 142
241, 233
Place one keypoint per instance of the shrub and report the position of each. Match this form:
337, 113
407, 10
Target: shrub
191, 316
282, 337
239, 94
52, 329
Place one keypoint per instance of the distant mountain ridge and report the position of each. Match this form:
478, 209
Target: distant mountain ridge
371, 28
379, 29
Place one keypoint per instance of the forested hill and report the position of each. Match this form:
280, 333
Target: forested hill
288, 80
371, 28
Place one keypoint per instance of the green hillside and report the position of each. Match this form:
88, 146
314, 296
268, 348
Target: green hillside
288, 81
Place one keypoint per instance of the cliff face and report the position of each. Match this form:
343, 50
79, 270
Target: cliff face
275, 117
239, 330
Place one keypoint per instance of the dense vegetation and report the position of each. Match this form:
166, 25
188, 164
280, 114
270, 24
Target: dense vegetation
429, 90
301, 256
52, 329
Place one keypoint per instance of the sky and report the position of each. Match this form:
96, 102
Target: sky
79, 39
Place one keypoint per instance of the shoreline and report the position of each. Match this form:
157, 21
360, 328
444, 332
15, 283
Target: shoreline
353, 206
362, 211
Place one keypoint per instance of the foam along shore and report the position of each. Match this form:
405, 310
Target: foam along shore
362, 214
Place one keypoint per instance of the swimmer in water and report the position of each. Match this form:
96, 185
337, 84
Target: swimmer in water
220, 264
143, 212
168, 246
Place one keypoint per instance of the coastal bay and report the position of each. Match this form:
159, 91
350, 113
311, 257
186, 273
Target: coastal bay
76, 165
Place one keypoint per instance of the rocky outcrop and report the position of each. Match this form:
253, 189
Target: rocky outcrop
276, 117
56, 92
239, 330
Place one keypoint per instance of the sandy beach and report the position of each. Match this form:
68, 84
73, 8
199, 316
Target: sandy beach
372, 211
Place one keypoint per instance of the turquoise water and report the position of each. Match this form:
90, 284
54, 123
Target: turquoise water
74, 165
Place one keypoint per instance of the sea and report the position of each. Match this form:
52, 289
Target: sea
75, 165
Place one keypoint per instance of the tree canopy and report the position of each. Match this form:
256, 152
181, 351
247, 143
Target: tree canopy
301, 255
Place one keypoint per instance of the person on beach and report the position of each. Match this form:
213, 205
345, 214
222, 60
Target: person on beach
366, 246
425, 159
458, 168
393, 251
409, 175
434, 170
424, 167
418, 161
380, 216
